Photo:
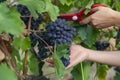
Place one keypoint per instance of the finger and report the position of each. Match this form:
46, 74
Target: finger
68, 67
95, 9
86, 20
75, 62
50, 61
101, 26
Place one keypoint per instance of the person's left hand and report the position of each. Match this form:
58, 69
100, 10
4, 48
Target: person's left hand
77, 55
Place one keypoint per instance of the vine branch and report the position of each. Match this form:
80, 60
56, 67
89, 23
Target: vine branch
8, 58
44, 42
25, 64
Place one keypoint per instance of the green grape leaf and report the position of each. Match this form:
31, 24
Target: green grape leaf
76, 72
17, 43
41, 6
91, 2
6, 73
69, 2
62, 2
52, 10
117, 76
118, 46
88, 34
32, 66
82, 32
92, 34
59, 67
62, 51
17, 59
35, 6
24, 44
107, 2
102, 72
85, 3
9, 20
116, 5
86, 69
88, 7
64, 8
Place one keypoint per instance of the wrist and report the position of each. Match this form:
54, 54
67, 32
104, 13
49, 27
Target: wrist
90, 53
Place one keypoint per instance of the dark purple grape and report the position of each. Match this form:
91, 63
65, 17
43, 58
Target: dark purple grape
42, 51
101, 46
65, 61
106, 44
117, 69
34, 25
23, 10
25, 16
118, 35
33, 39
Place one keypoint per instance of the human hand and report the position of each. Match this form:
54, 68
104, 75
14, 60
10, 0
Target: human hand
77, 55
102, 17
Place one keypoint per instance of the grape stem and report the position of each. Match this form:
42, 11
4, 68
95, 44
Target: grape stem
29, 23
56, 2
44, 42
8, 58
26, 16
34, 31
82, 71
25, 64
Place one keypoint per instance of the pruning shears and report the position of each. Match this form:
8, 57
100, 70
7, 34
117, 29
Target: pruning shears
79, 16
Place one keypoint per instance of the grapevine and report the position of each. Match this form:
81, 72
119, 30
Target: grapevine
32, 31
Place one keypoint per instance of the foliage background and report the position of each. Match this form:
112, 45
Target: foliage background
20, 62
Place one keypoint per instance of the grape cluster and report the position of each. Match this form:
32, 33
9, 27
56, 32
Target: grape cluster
42, 47
59, 32
33, 39
101, 46
42, 53
25, 16
34, 25
65, 61
117, 69
118, 35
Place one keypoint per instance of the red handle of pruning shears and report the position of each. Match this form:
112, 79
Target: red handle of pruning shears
78, 16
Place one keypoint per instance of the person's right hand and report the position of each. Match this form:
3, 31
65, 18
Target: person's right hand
102, 17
